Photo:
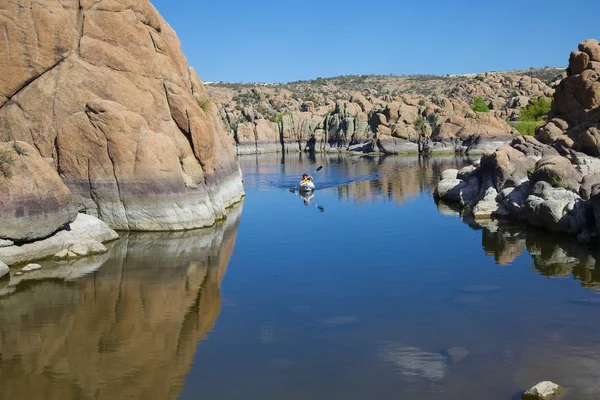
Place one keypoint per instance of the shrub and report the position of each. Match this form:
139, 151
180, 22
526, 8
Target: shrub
204, 104
420, 125
479, 105
527, 128
18, 149
536, 111
422, 102
6, 161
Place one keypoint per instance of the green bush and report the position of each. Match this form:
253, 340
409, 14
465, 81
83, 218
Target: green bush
479, 105
422, 102
527, 128
420, 125
536, 111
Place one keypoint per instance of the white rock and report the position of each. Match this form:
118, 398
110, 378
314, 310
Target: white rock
31, 267
487, 205
85, 228
449, 189
542, 391
3, 269
6, 243
449, 174
70, 254
88, 248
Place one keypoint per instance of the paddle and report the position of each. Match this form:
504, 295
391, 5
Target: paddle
293, 190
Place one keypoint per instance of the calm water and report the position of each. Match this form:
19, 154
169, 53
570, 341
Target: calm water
367, 290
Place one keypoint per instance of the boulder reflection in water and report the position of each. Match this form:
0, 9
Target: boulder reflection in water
129, 330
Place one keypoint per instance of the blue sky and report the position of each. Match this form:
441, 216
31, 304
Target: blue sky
282, 41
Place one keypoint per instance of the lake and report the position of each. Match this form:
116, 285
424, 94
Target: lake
367, 289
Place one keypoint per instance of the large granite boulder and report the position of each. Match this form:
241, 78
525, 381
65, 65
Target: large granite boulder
102, 90
34, 202
558, 172
507, 166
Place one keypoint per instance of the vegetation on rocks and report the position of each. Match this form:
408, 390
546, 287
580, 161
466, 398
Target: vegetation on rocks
533, 115
479, 105
6, 162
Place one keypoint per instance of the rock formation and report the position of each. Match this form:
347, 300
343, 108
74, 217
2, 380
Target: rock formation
379, 114
102, 92
551, 181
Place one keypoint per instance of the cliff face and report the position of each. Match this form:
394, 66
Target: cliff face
103, 92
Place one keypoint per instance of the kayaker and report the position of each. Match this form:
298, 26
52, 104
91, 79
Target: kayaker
306, 177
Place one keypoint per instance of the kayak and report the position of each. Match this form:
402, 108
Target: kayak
307, 186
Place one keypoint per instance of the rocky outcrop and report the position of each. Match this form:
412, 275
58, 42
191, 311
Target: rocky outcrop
509, 183
313, 117
102, 91
552, 181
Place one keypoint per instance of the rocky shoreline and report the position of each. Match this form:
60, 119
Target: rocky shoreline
550, 181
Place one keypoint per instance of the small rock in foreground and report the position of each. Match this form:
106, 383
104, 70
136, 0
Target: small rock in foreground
31, 267
542, 391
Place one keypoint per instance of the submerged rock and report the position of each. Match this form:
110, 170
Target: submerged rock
542, 391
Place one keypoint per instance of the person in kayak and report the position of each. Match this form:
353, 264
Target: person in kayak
306, 177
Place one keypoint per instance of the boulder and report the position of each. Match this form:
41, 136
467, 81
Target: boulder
515, 199
449, 190
465, 172
578, 62
34, 202
586, 138
542, 391
506, 166
487, 204
532, 147
449, 174
558, 172
107, 97
556, 209
585, 191
548, 133
591, 48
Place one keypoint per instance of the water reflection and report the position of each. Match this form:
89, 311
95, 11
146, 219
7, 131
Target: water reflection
127, 330
360, 179
553, 255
